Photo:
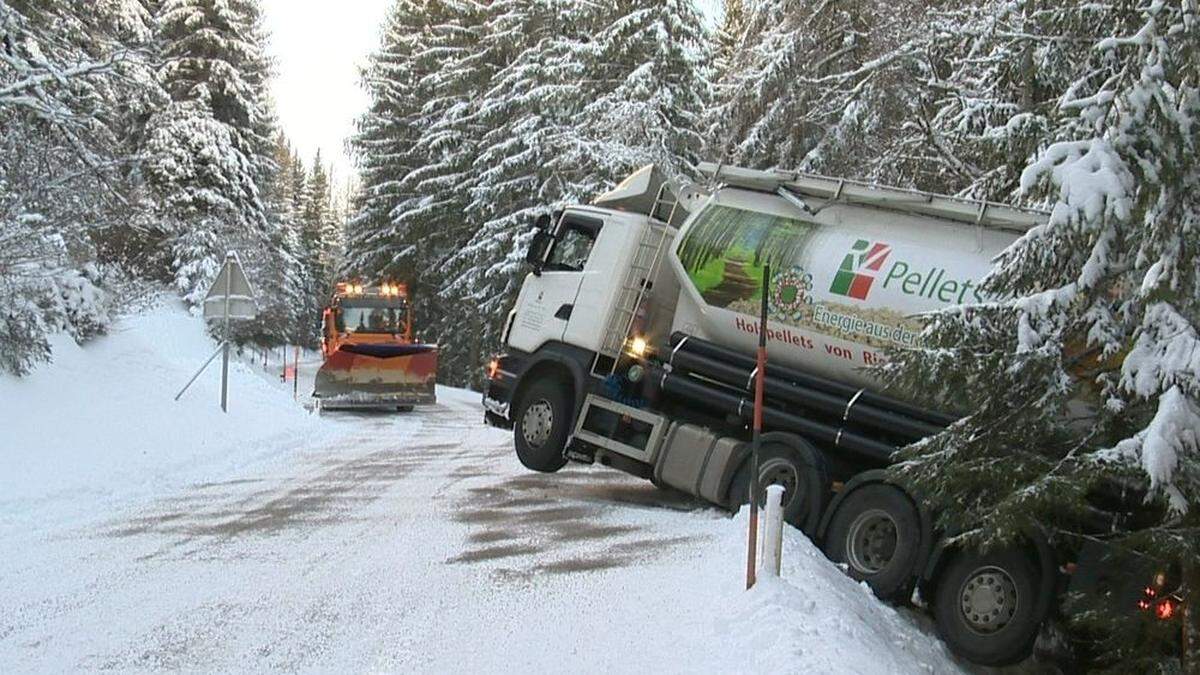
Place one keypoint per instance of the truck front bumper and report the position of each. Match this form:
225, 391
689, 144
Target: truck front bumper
498, 394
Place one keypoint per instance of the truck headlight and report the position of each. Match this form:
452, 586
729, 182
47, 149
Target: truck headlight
637, 347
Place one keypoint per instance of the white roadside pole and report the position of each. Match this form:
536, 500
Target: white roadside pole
773, 531
230, 297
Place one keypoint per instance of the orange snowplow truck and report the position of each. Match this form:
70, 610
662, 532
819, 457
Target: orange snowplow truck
371, 359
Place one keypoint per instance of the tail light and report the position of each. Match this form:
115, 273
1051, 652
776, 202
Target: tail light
1157, 599
1165, 609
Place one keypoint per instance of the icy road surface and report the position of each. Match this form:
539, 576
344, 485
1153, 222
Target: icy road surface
375, 542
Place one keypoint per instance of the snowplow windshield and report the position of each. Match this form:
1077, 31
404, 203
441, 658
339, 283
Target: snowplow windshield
366, 316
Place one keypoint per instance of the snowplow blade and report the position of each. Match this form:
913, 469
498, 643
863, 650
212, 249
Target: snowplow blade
378, 376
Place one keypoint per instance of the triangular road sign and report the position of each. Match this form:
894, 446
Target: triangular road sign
232, 283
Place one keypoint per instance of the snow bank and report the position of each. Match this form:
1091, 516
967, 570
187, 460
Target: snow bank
680, 608
814, 619
100, 424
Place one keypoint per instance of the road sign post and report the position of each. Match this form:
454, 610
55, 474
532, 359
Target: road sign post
230, 297
225, 334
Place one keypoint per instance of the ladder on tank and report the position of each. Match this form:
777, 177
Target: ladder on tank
639, 277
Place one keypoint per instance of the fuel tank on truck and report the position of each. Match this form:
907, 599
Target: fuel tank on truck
848, 280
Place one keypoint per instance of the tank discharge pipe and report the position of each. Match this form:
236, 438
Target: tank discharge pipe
851, 411
683, 343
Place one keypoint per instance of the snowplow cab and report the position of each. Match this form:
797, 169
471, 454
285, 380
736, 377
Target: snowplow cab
371, 357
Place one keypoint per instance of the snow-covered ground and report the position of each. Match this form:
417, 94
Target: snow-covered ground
143, 534
100, 426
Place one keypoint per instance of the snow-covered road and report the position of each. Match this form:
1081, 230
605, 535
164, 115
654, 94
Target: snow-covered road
388, 542
380, 549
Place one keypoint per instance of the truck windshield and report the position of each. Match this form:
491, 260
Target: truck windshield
365, 319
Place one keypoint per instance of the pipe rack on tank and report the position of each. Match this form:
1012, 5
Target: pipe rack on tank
923, 422
851, 411
720, 399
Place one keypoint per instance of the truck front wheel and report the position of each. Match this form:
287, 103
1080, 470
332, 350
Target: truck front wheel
985, 606
540, 426
876, 532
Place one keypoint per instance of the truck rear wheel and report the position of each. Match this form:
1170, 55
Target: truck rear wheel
540, 426
876, 532
803, 479
985, 606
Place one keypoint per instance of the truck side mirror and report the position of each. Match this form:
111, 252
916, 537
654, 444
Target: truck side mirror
536, 255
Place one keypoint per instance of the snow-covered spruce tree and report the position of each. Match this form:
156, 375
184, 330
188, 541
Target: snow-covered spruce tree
383, 145
210, 149
72, 80
588, 93
333, 230
415, 150
649, 73
816, 85
284, 304
314, 223
1084, 369
729, 35
486, 114
987, 91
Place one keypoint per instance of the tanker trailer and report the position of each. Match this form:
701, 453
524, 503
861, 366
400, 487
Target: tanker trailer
631, 345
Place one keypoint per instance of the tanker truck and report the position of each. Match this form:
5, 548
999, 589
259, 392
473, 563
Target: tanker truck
631, 345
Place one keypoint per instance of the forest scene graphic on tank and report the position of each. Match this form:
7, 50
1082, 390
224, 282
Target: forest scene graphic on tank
858, 269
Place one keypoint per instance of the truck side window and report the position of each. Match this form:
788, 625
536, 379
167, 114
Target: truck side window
572, 248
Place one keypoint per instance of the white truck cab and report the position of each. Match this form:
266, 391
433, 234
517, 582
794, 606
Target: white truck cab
597, 275
569, 294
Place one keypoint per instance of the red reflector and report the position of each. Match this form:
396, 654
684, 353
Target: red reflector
1165, 610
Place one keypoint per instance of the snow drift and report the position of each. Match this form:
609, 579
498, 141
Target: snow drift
101, 423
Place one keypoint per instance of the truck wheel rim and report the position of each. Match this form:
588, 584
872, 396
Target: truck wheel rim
537, 423
871, 542
988, 600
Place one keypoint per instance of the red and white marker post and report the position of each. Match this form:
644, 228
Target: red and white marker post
756, 441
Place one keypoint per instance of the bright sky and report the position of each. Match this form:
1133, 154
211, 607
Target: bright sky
318, 48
